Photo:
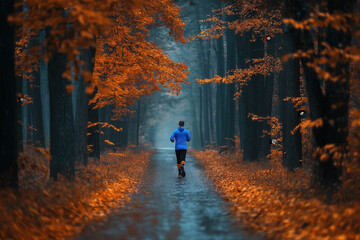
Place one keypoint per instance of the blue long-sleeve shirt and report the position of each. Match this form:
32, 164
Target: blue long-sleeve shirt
181, 135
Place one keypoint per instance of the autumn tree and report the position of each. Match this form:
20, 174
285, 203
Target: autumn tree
77, 28
128, 66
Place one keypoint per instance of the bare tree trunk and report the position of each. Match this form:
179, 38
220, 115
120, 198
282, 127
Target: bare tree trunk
229, 124
258, 100
62, 147
8, 106
211, 120
196, 131
265, 105
36, 110
242, 54
289, 86
220, 92
82, 102
138, 122
201, 118
206, 129
44, 91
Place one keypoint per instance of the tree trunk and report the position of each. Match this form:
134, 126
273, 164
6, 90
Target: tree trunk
62, 147
289, 86
251, 95
196, 130
44, 91
36, 110
206, 126
138, 122
81, 122
242, 54
124, 125
220, 92
201, 118
328, 172
82, 102
94, 138
211, 119
8, 106
229, 126
258, 100
265, 105
26, 115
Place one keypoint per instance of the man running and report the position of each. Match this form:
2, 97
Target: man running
181, 135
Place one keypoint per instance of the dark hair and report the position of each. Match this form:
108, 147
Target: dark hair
181, 123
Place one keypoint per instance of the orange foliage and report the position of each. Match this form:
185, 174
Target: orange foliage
71, 25
128, 66
46, 210
250, 16
25, 61
323, 54
276, 152
279, 203
261, 66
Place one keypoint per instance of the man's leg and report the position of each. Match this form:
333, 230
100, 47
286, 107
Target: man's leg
178, 160
183, 156
182, 159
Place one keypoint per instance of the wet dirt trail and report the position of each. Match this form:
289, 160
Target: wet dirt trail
168, 207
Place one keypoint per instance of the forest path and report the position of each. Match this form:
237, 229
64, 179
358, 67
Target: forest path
168, 207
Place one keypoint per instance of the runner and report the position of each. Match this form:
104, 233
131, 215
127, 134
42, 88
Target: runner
181, 136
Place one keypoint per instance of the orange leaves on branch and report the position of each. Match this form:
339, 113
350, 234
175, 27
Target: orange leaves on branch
250, 15
308, 124
297, 101
70, 88
70, 25
326, 57
24, 99
339, 21
109, 142
104, 125
261, 66
128, 66
275, 133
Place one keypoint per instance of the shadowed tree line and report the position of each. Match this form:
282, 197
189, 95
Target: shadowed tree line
282, 59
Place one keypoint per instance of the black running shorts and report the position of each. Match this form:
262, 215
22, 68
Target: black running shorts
180, 155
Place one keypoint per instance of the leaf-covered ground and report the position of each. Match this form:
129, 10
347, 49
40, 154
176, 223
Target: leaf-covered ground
42, 209
267, 198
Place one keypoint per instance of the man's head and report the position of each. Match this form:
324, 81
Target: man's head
181, 123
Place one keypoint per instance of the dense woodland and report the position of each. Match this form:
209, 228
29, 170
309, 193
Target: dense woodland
270, 81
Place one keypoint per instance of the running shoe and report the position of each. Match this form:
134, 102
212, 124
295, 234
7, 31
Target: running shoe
183, 172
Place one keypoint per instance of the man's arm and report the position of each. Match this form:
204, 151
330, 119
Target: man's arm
172, 138
188, 138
